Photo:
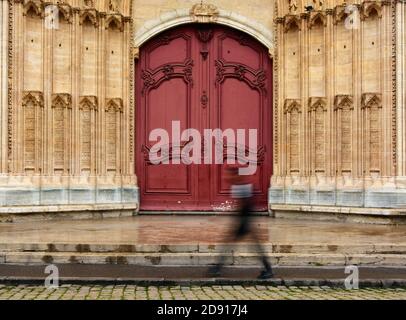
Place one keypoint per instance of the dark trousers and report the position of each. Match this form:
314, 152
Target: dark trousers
244, 228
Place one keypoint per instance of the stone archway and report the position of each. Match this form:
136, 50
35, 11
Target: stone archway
204, 13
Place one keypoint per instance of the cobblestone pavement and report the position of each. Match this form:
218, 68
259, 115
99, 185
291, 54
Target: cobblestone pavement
133, 292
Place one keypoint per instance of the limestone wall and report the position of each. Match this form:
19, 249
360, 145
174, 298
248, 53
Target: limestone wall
70, 118
336, 113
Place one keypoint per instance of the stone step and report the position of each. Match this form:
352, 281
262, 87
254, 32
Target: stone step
200, 259
206, 248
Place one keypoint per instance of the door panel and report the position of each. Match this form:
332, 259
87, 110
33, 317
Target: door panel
205, 77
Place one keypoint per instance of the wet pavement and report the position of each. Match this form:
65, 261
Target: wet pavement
197, 229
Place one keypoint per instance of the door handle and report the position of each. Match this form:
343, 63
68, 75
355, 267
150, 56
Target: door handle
204, 99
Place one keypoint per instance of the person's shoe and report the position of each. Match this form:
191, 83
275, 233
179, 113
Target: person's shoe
265, 274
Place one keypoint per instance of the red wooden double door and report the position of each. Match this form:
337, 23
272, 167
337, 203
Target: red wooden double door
205, 77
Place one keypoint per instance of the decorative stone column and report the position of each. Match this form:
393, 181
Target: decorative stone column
4, 30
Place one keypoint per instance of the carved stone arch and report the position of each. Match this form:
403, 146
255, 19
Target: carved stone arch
343, 101
91, 15
339, 14
183, 16
369, 7
33, 6
370, 100
316, 103
292, 105
115, 20
88, 102
65, 12
317, 18
34, 97
291, 22
62, 100
114, 105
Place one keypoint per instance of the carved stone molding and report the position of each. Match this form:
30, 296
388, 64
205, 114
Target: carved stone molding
62, 100
204, 13
290, 21
343, 101
65, 10
114, 6
316, 103
293, 6
339, 14
115, 20
370, 6
90, 14
34, 97
114, 105
318, 5
370, 100
317, 17
292, 104
88, 102
35, 6
88, 3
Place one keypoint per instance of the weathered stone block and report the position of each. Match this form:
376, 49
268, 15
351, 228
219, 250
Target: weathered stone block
349, 198
293, 196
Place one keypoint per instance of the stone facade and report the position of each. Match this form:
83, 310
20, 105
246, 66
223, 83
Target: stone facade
338, 111
67, 100
67, 122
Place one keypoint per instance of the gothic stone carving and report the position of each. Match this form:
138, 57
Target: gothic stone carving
343, 101
291, 22
114, 105
115, 21
370, 100
90, 15
62, 100
317, 18
204, 13
316, 103
33, 7
88, 102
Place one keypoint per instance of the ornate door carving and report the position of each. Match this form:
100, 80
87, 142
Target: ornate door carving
205, 77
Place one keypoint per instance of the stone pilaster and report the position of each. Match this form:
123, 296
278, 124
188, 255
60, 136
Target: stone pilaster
4, 33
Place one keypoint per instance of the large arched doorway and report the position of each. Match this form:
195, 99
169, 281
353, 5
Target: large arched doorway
201, 77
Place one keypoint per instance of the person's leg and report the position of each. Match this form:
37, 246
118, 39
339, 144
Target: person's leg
267, 272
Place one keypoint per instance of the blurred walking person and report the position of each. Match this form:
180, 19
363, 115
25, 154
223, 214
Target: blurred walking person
242, 193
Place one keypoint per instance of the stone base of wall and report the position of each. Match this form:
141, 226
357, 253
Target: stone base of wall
369, 198
20, 203
69, 212
339, 214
